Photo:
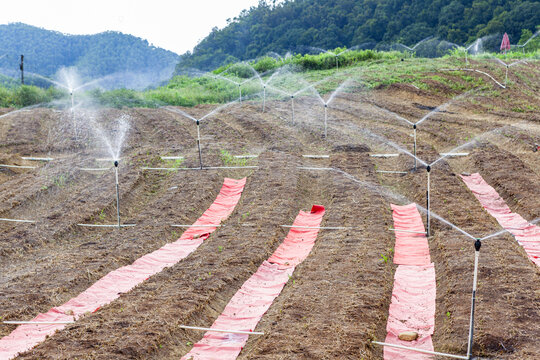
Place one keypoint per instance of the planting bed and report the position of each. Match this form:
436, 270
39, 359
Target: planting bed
338, 298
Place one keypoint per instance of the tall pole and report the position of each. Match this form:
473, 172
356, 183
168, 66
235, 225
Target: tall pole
117, 193
506, 76
337, 63
428, 168
415, 160
477, 245
22, 69
264, 96
240, 92
292, 104
325, 119
199, 144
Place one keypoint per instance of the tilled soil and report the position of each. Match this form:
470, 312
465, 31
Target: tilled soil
337, 300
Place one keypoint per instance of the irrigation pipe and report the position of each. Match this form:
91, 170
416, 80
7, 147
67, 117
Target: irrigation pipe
391, 172
316, 156
317, 227
203, 168
37, 322
18, 166
478, 71
421, 350
314, 168
454, 154
245, 156
17, 220
37, 158
190, 226
172, 157
107, 225
383, 155
408, 231
94, 169
221, 330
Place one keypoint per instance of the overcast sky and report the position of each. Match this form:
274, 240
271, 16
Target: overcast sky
175, 25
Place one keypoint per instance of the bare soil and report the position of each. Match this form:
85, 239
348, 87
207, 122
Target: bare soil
337, 300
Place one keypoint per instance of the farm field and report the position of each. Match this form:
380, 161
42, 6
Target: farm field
337, 300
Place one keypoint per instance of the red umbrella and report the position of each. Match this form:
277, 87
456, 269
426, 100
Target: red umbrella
505, 44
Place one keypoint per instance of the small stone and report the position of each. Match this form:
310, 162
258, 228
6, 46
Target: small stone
69, 312
408, 336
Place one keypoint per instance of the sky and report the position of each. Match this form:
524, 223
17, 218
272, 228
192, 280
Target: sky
176, 25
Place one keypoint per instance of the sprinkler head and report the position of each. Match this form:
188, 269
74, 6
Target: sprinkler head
292, 96
414, 126
197, 122
326, 105
477, 244
116, 163
428, 168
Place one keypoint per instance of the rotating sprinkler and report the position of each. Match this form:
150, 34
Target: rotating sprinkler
199, 144
508, 66
428, 232
117, 192
477, 245
330, 99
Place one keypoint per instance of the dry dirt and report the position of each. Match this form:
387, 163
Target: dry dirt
338, 298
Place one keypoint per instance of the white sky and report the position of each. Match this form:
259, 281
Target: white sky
173, 25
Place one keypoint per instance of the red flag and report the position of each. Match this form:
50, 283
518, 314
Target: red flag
505, 44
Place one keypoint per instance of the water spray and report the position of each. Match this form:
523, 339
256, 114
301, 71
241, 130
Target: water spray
477, 245
117, 192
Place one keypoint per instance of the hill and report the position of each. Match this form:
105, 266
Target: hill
295, 24
94, 56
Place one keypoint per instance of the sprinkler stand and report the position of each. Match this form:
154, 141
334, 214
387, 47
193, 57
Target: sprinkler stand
477, 245
199, 144
506, 77
117, 192
325, 119
414, 148
292, 104
240, 92
264, 97
428, 232
337, 63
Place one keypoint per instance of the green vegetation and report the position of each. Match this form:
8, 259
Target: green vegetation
230, 160
27, 95
294, 25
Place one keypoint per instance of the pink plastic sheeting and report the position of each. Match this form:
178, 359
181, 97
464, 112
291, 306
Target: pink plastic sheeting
527, 234
250, 303
413, 297
122, 280
411, 248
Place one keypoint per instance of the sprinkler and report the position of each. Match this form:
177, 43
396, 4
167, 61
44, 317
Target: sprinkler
337, 63
117, 192
414, 132
199, 144
428, 168
477, 245
325, 120
240, 92
292, 104
506, 76
264, 96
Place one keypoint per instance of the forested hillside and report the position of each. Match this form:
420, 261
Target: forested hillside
293, 24
45, 52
